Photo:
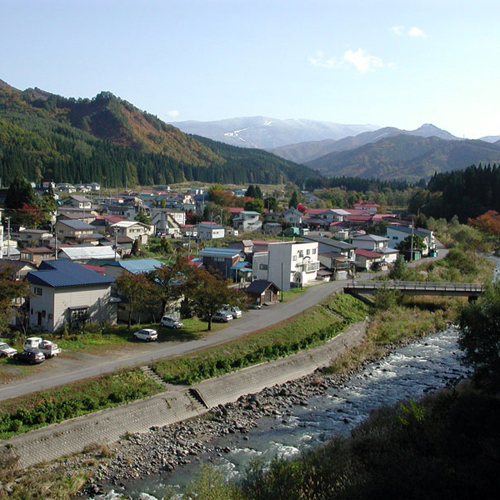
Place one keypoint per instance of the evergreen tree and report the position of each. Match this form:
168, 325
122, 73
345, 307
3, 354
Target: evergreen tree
294, 200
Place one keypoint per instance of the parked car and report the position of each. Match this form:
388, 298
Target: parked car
147, 334
234, 310
30, 357
6, 351
46, 347
222, 317
170, 322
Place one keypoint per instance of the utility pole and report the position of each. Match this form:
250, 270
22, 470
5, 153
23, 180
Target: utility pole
8, 237
116, 245
411, 246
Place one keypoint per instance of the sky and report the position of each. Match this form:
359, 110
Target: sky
399, 63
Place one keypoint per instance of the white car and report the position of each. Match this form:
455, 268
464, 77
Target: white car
6, 350
147, 334
234, 310
170, 322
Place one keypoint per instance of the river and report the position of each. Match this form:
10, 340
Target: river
408, 372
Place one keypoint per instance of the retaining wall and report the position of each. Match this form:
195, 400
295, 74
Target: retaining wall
107, 426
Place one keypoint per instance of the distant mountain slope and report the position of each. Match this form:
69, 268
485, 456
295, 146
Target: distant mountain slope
268, 133
406, 157
308, 151
490, 138
106, 139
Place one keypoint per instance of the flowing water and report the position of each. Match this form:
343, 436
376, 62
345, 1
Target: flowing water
408, 372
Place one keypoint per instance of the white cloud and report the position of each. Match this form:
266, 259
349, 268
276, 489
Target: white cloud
414, 32
173, 113
417, 33
360, 59
319, 61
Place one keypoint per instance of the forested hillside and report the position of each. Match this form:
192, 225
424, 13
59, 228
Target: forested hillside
465, 193
406, 157
105, 139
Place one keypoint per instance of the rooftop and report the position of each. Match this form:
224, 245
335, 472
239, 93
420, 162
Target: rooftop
64, 273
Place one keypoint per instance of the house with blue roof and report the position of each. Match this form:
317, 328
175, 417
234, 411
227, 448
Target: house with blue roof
227, 260
67, 293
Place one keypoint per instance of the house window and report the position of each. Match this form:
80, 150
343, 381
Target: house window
38, 291
314, 251
263, 267
308, 252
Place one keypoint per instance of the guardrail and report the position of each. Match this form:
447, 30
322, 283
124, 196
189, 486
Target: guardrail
417, 286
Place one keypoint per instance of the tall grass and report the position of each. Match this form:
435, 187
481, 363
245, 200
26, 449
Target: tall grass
303, 331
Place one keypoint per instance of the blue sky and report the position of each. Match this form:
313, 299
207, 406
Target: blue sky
395, 63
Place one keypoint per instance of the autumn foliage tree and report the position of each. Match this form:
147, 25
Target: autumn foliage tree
488, 223
10, 289
137, 292
208, 293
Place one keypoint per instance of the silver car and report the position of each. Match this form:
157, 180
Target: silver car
147, 334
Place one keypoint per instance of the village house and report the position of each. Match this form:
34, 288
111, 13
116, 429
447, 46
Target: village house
133, 229
167, 221
330, 245
397, 233
137, 266
81, 202
378, 244
292, 216
290, 264
87, 217
225, 260
367, 260
31, 237
247, 221
76, 231
371, 208
210, 231
63, 292
35, 255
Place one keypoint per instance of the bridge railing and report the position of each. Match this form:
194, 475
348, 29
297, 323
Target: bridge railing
417, 285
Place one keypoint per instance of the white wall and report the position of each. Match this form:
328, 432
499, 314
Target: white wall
56, 301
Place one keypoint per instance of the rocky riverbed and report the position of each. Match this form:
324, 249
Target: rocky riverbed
163, 449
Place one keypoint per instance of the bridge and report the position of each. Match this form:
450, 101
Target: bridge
470, 290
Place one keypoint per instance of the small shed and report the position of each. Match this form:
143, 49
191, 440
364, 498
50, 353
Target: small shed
262, 292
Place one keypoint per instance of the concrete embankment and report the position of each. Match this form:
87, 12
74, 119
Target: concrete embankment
108, 426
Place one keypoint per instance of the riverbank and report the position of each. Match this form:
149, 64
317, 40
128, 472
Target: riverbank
161, 451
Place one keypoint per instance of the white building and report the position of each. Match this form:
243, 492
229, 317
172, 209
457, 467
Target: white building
133, 229
287, 264
397, 233
65, 292
210, 231
247, 221
375, 243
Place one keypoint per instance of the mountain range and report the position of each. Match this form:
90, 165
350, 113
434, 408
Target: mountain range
269, 133
383, 153
105, 139
44, 136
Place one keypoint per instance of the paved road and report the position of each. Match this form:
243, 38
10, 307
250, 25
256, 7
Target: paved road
250, 322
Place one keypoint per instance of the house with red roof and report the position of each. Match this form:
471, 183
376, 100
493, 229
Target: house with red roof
366, 260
